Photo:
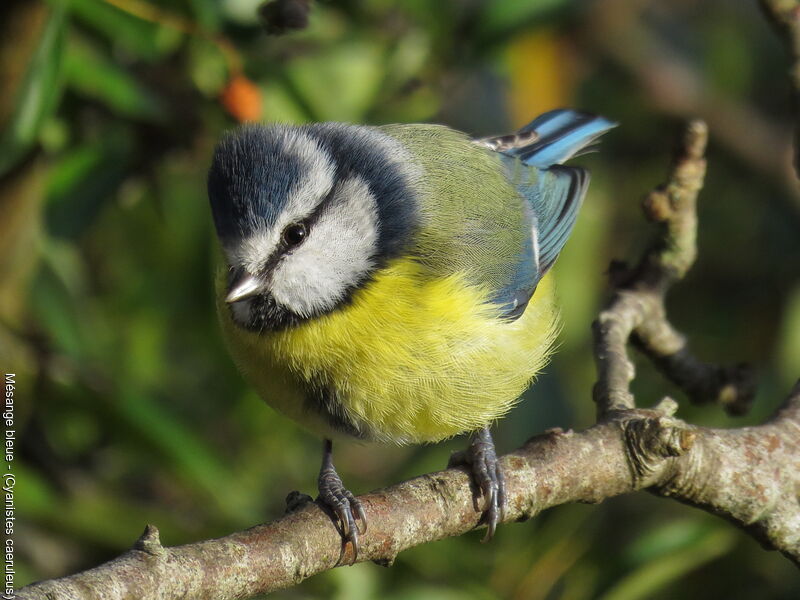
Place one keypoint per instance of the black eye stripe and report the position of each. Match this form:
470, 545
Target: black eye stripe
315, 215
321, 207
277, 255
271, 262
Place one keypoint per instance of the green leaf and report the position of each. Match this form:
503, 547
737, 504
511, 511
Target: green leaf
190, 455
63, 327
39, 93
144, 39
84, 180
655, 575
339, 85
207, 13
207, 66
92, 74
671, 537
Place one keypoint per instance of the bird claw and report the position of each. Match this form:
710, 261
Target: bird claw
486, 471
344, 505
348, 511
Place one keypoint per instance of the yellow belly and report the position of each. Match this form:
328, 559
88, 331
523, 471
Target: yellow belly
410, 360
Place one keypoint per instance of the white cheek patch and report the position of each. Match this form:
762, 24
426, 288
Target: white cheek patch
339, 252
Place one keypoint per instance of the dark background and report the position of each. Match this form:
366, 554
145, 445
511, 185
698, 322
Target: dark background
129, 409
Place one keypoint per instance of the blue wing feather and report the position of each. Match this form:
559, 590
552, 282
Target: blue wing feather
554, 193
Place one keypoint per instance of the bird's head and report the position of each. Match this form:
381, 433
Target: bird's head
305, 215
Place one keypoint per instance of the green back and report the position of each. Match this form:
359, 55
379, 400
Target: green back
473, 220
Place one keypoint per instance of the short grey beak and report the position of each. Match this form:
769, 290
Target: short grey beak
244, 286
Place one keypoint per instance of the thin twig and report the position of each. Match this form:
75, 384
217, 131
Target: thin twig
637, 309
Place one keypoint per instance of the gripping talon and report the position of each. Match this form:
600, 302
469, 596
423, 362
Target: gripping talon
359, 516
488, 475
344, 505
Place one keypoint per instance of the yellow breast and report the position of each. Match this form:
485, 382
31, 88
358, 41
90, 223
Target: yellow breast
408, 360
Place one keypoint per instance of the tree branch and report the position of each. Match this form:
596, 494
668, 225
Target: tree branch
747, 475
637, 312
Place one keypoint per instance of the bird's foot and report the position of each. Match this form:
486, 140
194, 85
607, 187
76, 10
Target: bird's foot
482, 460
341, 502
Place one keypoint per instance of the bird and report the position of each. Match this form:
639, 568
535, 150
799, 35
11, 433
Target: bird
393, 283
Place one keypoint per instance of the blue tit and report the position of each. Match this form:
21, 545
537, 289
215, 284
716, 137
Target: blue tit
392, 283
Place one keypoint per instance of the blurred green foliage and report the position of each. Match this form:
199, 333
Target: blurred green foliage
129, 407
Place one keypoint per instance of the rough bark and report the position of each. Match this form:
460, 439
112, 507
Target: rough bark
749, 476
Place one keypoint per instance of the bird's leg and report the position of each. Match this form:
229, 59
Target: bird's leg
340, 500
482, 460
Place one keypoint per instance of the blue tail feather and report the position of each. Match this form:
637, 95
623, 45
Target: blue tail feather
562, 134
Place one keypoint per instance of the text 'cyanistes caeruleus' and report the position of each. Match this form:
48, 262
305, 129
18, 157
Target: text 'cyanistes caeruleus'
389, 283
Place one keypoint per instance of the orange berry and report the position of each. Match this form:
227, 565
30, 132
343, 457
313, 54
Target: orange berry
242, 99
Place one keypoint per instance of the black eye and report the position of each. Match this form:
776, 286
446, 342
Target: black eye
295, 234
